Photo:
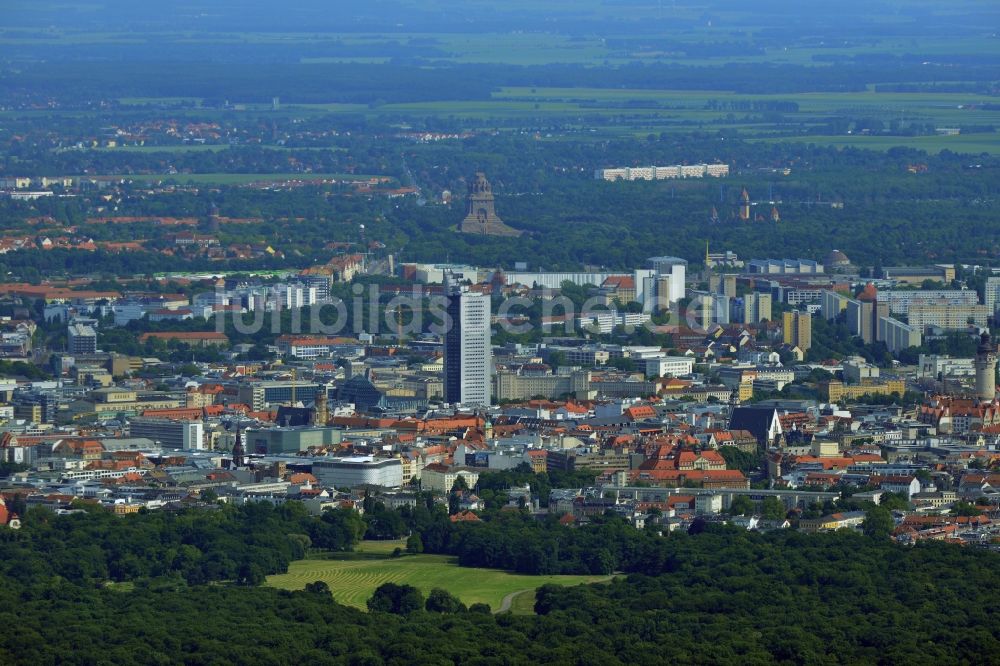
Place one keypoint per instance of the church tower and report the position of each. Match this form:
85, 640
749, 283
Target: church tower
320, 410
745, 205
238, 450
734, 402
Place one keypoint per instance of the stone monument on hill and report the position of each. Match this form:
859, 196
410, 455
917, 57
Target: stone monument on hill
480, 213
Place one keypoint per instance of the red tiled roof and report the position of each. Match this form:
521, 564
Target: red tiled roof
465, 517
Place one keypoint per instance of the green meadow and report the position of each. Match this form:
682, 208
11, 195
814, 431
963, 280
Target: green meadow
353, 577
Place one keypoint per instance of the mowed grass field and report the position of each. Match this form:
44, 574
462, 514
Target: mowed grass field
353, 577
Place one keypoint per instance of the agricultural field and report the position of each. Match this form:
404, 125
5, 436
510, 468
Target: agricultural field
201, 148
974, 144
611, 112
181, 148
240, 178
353, 577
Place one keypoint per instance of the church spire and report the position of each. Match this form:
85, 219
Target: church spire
734, 402
238, 450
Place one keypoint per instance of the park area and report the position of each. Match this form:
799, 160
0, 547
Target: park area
353, 577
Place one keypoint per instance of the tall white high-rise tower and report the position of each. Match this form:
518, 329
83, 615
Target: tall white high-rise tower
467, 348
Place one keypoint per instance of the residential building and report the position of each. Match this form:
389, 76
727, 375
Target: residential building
835, 391
722, 284
901, 300
441, 478
904, 485
669, 366
705, 309
663, 172
752, 308
863, 314
897, 336
797, 329
948, 317
605, 321
82, 339
833, 304
992, 295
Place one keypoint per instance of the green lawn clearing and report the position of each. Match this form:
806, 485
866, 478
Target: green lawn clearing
353, 577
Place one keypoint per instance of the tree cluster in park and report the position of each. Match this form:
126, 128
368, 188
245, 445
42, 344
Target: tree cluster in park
721, 596
198, 546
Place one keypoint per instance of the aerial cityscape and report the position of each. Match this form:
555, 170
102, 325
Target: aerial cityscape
592, 332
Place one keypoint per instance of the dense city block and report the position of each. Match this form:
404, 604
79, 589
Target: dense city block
577, 333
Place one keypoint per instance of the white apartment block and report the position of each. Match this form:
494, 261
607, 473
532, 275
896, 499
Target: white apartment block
900, 301
833, 304
992, 295
293, 296
897, 336
606, 321
669, 366
948, 317
663, 172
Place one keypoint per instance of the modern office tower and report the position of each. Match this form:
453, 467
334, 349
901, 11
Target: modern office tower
467, 350
169, 433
